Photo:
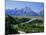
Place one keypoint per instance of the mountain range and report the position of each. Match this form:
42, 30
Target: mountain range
26, 11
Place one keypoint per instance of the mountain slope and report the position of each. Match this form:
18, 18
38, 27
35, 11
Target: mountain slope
21, 12
41, 13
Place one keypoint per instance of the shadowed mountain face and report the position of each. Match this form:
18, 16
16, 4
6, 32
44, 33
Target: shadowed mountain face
42, 13
21, 12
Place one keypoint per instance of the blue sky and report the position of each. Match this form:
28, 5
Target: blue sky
35, 6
